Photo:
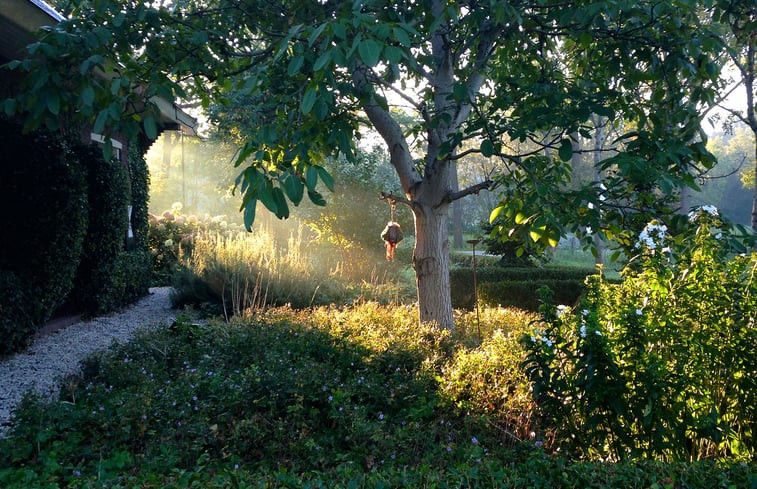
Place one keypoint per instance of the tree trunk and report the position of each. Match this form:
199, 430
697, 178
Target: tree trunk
431, 263
457, 210
754, 197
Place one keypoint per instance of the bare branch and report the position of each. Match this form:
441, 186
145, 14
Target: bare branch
473, 189
391, 198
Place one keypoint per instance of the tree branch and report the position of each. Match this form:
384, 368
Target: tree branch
391, 198
473, 189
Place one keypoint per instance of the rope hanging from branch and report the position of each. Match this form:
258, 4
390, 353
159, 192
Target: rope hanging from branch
392, 234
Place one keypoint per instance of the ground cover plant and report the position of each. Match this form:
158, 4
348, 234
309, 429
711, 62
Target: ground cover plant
329, 397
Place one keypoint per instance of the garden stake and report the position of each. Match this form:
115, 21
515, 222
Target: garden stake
474, 242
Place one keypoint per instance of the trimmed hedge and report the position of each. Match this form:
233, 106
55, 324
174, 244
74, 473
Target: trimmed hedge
43, 208
108, 199
63, 209
109, 276
522, 294
516, 286
140, 184
16, 322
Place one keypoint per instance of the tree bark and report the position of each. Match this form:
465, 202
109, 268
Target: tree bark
457, 210
431, 264
754, 197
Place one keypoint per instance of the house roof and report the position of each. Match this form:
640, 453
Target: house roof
19, 22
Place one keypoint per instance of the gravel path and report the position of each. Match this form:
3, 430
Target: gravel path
58, 354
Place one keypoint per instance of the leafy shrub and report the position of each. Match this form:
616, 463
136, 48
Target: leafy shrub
516, 286
139, 183
108, 188
523, 294
17, 323
43, 208
131, 277
171, 236
661, 365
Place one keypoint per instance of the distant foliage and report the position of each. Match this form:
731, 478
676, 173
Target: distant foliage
661, 365
43, 210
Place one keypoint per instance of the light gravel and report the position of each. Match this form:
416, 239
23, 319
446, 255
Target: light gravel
50, 358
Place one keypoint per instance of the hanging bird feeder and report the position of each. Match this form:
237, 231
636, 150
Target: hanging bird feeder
392, 233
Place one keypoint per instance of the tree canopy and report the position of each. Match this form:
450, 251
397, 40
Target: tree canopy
474, 75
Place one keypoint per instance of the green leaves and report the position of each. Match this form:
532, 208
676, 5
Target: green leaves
308, 100
566, 150
369, 51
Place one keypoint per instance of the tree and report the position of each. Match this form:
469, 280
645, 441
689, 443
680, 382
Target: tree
315, 72
735, 26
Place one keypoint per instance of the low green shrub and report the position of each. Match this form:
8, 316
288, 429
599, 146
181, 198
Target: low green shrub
516, 286
43, 208
523, 294
661, 365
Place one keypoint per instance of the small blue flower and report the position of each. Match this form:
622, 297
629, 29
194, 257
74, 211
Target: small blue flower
474, 440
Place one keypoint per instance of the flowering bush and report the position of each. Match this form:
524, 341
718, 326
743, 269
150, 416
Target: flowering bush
661, 365
172, 234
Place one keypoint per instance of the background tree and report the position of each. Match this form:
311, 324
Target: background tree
315, 72
735, 26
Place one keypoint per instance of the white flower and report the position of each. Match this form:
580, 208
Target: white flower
708, 209
168, 243
639, 312
562, 309
585, 312
533, 339
597, 332
650, 234
591, 205
719, 235
582, 331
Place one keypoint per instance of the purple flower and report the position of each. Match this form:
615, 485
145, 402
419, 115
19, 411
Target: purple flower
538, 443
474, 440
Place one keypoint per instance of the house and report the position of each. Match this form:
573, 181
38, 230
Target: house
21, 19
44, 270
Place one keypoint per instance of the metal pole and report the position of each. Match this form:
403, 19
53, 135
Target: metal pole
474, 242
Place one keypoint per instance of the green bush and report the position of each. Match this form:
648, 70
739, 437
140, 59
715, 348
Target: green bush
139, 186
43, 208
523, 294
661, 365
108, 186
131, 277
17, 323
516, 286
